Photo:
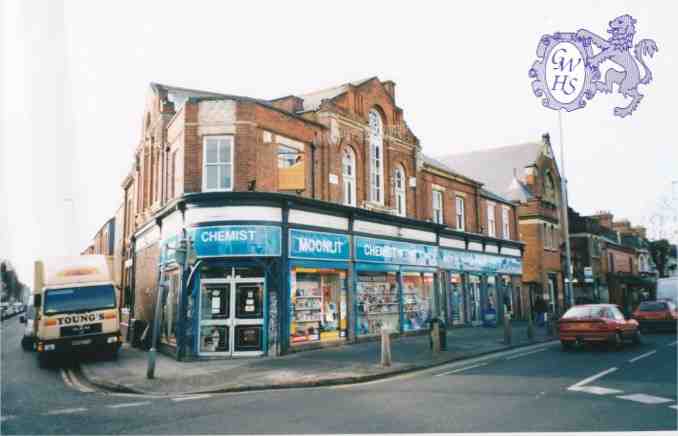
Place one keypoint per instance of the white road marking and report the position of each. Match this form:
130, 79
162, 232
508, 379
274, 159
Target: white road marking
6, 418
120, 406
525, 354
461, 369
578, 386
65, 378
67, 411
597, 390
650, 353
673, 343
645, 399
191, 397
675, 406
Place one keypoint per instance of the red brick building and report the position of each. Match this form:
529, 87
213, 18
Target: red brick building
528, 175
342, 159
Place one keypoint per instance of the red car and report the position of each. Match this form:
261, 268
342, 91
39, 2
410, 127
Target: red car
599, 323
657, 315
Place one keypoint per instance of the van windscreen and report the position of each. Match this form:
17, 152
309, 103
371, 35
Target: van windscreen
79, 299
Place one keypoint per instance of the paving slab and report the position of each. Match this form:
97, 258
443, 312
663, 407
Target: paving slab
348, 363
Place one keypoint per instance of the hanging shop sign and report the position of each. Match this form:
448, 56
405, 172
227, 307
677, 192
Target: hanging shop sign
230, 241
568, 71
394, 252
479, 262
305, 244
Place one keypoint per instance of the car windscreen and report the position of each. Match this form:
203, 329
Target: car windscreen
585, 312
79, 299
652, 306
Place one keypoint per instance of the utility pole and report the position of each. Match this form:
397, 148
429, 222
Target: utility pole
563, 184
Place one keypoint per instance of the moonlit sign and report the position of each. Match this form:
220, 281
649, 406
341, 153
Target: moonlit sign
319, 245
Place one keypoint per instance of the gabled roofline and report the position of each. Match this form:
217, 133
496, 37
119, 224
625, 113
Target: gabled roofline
214, 96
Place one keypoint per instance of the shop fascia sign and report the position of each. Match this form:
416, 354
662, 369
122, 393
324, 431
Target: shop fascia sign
305, 244
238, 240
479, 262
394, 252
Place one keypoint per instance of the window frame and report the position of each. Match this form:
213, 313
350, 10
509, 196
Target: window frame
460, 213
349, 180
505, 223
437, 217
491, 223
205, 138
400, 193
376, 135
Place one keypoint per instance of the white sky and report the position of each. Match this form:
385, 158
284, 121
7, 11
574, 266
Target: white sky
75, 76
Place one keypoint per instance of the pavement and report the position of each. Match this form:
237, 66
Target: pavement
351, 363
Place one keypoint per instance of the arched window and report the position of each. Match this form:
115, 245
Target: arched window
376, 158
348, 175
400, 195
550, 188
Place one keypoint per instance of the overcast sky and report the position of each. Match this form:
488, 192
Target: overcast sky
75, 76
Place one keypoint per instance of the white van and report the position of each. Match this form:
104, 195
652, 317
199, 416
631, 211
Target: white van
667, 289
76, 306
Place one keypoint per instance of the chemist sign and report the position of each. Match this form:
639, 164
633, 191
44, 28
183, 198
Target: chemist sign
230, 241
319, 245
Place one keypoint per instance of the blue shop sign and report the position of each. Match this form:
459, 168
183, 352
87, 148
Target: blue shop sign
394, 252
479, 262
225, 241
319, 245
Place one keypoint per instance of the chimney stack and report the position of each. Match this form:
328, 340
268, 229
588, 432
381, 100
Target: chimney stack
390, 87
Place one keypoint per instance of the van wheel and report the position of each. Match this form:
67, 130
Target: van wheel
27, 343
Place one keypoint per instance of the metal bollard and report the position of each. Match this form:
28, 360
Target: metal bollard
435, 337
507, 329
385, 347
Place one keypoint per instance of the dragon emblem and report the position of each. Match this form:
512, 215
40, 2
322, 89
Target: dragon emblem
568, 71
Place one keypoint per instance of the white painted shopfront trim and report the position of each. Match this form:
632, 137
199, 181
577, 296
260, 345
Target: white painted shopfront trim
317, 219
247, 213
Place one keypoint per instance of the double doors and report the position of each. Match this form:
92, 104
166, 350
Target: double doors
231, 317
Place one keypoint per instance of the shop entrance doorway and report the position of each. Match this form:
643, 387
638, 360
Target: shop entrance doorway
474, 300
231, 316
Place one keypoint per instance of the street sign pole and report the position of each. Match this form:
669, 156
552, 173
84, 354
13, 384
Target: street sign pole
563, 184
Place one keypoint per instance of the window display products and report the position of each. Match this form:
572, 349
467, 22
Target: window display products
378, 302
318, 305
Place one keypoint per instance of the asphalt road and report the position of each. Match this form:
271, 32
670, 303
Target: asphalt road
538, 389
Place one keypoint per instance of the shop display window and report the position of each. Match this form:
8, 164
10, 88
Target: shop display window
491, 293
455, 304
170, 309
214, 339
417, 296
378, 302
319, 307
507, 293
474, 299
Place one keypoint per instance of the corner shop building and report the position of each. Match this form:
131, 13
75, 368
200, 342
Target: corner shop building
275, 273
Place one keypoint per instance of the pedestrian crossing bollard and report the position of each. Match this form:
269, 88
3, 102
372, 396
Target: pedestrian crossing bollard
385, 346
507, 329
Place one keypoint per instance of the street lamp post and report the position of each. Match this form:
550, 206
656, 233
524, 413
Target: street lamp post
563, 185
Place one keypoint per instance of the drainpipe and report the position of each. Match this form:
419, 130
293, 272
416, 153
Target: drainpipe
313, 147
477, 202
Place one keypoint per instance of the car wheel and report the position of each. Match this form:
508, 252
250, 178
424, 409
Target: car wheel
637, 338
618, 341
566, 345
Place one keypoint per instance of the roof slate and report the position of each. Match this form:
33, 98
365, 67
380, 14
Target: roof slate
496, 167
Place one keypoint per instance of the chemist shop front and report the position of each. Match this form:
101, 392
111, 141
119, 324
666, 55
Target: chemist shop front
266, 280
